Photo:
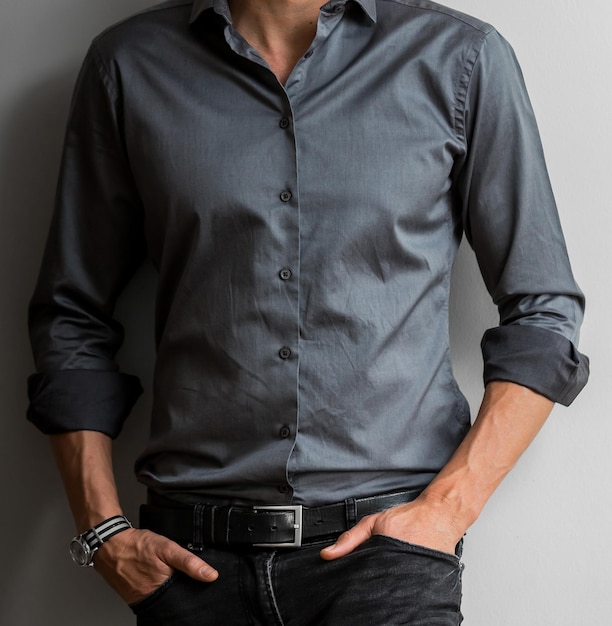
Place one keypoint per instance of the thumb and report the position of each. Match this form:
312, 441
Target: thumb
350, 539
190, 564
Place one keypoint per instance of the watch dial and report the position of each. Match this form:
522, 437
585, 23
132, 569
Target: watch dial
78, 552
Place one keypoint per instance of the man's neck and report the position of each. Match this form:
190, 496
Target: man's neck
280, 30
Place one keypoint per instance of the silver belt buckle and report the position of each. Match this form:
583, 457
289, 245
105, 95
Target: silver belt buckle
297, 526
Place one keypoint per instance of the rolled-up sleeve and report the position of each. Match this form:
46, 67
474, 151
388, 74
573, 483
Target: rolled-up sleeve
95, 244
511, 221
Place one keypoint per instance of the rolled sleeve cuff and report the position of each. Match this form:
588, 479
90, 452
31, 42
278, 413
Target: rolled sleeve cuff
70, 400
537, 358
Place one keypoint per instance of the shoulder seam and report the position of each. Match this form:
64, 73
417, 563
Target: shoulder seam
464, 85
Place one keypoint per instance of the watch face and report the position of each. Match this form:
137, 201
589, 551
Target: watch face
80, 552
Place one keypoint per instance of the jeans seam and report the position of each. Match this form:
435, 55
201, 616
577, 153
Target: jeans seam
270, 589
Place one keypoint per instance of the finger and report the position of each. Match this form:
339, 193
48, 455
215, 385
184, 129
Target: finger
190, 564
350, 539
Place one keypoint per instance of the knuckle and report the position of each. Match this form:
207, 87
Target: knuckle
191, 562
350, 535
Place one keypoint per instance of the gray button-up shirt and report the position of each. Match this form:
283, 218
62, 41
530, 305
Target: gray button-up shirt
304, 236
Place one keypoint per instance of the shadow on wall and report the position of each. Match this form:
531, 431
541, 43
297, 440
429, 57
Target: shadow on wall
38, 579
28, 164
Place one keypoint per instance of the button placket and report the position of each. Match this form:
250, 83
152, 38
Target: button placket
285, 272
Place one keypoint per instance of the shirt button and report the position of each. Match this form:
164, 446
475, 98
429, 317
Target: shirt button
284, 489
285, 196
284, 353
309, 54
284, 123
338, 8
285, 273
284, 432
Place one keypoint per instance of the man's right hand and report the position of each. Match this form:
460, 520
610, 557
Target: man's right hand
137, 562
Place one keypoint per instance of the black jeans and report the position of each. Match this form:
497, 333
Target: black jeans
382, 583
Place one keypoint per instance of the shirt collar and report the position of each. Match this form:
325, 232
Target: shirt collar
221, 7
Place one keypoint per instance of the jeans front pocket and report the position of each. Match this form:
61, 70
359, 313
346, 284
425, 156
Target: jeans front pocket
455, 557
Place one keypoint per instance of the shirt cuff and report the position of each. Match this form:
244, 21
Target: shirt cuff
69, 400
537, 358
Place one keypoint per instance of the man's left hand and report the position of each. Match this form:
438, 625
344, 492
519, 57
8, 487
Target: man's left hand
426, 522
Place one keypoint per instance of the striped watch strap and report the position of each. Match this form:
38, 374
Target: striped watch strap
103, 531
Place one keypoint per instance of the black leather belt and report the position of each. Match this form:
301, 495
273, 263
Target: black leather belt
285, 526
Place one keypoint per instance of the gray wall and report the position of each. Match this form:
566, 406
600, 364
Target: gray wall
540, 554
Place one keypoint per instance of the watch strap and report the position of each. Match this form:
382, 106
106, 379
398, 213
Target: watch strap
103, 531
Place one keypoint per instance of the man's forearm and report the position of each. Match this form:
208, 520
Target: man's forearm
508, 420
84, 459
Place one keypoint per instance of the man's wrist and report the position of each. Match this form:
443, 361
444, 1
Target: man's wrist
453, 504
84, 546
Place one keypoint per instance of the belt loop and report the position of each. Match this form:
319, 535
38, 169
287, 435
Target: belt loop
198, 527
350, 511
208, 523
227, 523
220, 524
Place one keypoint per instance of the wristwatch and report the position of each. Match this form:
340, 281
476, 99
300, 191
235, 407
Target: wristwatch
84, 546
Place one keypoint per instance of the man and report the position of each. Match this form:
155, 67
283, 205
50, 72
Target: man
300, 176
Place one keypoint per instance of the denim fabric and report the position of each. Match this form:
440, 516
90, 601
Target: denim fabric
384, 582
